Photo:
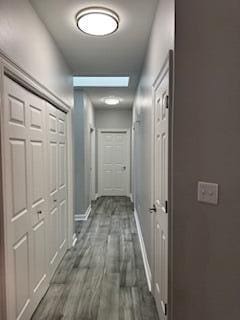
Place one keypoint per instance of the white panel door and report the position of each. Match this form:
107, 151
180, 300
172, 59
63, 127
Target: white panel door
160, 289
53, 212
57, 190
38, 194
114, 163
24, 152
62, 184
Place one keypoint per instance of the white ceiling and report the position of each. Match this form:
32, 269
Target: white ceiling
121, 53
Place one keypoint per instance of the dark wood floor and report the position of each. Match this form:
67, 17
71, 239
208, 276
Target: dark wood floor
102, 277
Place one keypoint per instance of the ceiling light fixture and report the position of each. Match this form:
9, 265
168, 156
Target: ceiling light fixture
97, 21
112, 101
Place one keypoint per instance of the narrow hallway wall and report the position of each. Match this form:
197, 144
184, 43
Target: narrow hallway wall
84, 119
25, 40
206, 148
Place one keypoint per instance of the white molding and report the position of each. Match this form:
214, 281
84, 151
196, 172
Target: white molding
83, 217
131, 197
144, 252
74, 239
24, 78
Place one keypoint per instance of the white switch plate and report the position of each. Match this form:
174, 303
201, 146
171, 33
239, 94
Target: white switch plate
208, 192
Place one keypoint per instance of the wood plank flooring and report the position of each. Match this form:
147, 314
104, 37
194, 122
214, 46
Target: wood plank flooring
102, 277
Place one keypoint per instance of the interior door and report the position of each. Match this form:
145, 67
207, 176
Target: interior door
57, 186
62, 184
25, 200
53, 211
38, 194
161, 152
114, 163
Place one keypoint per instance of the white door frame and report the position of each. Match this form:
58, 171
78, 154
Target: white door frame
100, 131
16, 73
93, 162
168, 66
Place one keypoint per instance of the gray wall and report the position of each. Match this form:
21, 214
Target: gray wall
161, 41
115, 118
83, 117
26, 41
206, 147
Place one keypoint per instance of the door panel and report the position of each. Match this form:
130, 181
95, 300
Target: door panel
57, 190
24, 151
161, 147
62, 184
114, 171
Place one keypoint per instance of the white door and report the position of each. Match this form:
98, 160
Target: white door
93, 161
25, 200
62, 184
57, 198
160, 289
114, 163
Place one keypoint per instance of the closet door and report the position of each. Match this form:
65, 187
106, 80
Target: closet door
38, 194
25, 200
57, 201
53, 211
62, 186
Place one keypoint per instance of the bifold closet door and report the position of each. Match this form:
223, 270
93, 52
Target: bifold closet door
25, 199
57, 199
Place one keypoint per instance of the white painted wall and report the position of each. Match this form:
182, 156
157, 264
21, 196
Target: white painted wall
161, 41
206, 147
26, 41
114, 118
83, 117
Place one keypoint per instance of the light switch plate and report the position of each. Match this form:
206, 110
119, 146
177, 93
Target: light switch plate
208, 192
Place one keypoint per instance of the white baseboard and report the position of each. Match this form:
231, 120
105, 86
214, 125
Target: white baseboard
74, 240
144, 253
83, 217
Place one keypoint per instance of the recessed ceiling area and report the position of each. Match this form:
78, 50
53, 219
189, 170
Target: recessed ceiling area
117, 54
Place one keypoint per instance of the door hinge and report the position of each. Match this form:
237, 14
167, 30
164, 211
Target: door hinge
166, 206
166, 310
167, 102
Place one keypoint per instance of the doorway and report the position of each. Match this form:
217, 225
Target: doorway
162, 118
114, 162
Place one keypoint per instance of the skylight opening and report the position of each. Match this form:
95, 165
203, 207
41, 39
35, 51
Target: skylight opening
86, 81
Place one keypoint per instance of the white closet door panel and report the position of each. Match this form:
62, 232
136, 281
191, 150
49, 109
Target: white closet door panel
25, 169
38, 195
62, 183
17, 215
53, 212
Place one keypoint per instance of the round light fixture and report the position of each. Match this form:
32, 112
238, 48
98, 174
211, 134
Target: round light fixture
97, 21
112, 101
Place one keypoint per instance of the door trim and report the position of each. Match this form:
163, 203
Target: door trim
99, 165
168, 66
9, 68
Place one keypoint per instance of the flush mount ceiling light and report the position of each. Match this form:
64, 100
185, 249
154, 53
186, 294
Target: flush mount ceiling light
97, 21
111, 101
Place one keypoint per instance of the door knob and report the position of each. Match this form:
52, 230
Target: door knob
124, 167
39, 212
153, 209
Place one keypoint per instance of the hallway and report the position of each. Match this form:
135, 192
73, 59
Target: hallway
103, 276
